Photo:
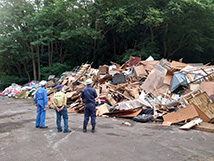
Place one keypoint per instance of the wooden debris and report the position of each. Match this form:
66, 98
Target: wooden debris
202, 101
187, 113
102, 109
204, 126
191, 124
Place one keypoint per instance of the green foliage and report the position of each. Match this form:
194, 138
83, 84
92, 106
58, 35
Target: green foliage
67, 33
6, 80
57, 69
143, 50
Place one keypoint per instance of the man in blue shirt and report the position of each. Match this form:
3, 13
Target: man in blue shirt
40, 99
88, 95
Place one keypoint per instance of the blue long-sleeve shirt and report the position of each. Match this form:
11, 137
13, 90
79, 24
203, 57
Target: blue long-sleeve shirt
41, 96
88, 95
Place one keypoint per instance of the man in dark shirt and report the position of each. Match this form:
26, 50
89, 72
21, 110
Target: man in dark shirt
88, 95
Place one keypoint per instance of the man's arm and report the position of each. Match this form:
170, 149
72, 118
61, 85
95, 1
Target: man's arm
35, 98
65, 99
45, 98
54, 102
95, 94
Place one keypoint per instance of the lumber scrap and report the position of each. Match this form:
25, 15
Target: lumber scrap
110, 100
202, 101
185, 114
101, 109
191, 124
204, 126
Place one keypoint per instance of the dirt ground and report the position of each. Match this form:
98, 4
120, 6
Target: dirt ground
21, 141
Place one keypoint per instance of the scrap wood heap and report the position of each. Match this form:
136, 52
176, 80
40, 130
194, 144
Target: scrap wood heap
172, 92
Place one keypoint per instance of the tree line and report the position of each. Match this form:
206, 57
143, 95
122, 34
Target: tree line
43, 37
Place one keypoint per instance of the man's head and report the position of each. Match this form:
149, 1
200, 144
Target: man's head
88, 81
43, 83
59, 87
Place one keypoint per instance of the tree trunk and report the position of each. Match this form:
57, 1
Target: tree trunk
38, 60
52, 50
164, 42
61, 53
94, 52
33, 62
28, 75
49, 55
152, 34
114, 46
18, 67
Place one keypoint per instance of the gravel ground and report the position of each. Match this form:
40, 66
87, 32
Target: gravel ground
21, 141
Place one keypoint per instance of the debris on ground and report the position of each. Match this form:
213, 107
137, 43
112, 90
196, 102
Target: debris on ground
148, 90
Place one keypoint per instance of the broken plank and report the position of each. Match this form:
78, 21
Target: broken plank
208, 127
190, 124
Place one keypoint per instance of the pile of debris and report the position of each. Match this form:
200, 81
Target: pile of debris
172, 92
17, 91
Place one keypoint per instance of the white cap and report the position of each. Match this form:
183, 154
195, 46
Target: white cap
43, 83
88, 81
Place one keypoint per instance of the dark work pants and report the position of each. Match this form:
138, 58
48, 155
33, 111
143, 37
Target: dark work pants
89, 110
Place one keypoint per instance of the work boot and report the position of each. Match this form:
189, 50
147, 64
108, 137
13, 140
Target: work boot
84, 128
93, 128
67, 131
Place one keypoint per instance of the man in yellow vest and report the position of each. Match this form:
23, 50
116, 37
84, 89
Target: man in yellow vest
59, 102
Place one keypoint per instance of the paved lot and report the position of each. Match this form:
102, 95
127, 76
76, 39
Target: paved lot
21, 141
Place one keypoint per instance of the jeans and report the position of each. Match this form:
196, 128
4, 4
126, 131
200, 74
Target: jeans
64, 114
90, 110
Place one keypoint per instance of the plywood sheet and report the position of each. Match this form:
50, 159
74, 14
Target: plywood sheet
177, 65
204, 103
154, 81
102, 109
168, 77
208, 87
190, 124
186, 113
139, 71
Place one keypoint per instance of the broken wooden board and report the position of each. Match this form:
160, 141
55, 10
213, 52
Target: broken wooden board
168, 77
203, 102
65, 81
153, 81
72, 110
133, 61
208, 127
178, 65
70, 94
110, 100
191, 124
208, 87
104, 89
186, 113
149, 65
139, 71
101, 109
133, 92
103, 69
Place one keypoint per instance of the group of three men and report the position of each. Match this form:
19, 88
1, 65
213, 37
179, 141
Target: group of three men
88, 96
